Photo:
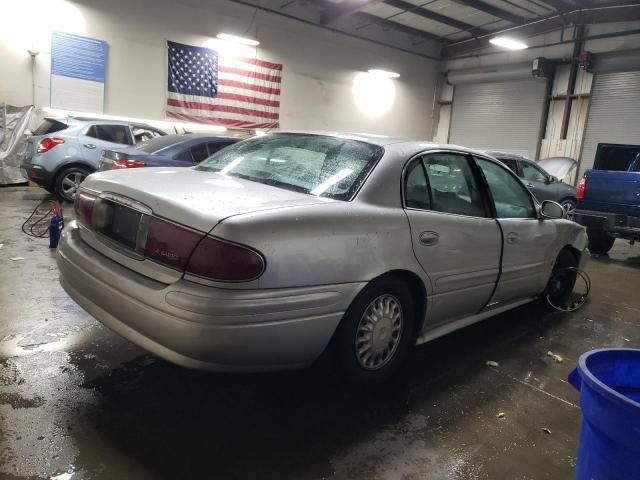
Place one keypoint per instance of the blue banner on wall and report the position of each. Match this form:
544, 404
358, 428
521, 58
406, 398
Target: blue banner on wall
78, 66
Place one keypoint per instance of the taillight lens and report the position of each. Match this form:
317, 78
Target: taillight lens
169, 243
48, 143
582, 187
83, 206
218, 259
212, 258
124, 163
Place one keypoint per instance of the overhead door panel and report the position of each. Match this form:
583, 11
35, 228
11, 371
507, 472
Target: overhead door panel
614, 114
503, 116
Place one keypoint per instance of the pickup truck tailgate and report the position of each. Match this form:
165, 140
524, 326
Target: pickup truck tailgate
612, 191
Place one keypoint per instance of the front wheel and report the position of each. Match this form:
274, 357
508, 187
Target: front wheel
375, 333
562, 280
599, 242
569, 205
69, 181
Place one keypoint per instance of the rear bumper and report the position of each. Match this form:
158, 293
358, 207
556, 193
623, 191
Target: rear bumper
38, 174
617, 225
203, 327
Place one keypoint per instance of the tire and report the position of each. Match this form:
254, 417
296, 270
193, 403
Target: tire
569, 205
68, 181
562, 280
385, 293
599, 242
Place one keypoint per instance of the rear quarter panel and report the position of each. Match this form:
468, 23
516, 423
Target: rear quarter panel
337, 242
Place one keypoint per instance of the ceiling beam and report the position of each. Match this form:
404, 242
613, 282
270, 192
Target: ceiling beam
369, 19
609, 14
422, 12
491, 10
339, 10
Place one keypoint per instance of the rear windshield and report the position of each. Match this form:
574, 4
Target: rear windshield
49, 126
314, 164
158, 143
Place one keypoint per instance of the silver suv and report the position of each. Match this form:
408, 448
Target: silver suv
63, 151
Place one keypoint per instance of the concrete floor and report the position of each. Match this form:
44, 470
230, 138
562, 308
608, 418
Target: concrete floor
77, 399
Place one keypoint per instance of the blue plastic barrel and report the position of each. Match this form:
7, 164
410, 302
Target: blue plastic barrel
609, 385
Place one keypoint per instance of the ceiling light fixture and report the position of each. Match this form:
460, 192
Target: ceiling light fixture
383, 73
508, 43
234, 38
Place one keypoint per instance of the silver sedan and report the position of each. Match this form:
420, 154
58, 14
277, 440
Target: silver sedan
291, 247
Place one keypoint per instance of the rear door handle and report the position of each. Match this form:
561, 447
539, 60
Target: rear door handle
512, 237
530, 185
90, 145
429, 238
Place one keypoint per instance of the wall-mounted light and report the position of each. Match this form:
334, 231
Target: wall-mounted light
508, 43
235, 38
383, 73
374, 94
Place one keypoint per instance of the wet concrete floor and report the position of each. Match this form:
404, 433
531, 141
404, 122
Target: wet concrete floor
79, 402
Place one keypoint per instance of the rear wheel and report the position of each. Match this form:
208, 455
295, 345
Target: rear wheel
562, 280
599, 242
68, 182
375, 333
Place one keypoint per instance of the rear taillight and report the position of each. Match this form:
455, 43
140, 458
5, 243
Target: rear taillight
125, 163
83, 206
209, 257
218, 259
169, 243
48, 143
582, 187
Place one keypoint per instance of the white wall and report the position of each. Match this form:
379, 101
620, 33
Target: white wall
318, 75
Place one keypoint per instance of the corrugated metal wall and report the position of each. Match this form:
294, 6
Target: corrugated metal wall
502, 116
614, 114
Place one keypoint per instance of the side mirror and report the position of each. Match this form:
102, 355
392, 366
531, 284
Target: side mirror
551, 179
551, 210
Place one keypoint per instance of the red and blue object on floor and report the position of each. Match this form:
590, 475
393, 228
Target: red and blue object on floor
56, 226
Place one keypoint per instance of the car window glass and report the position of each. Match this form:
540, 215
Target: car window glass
511, 164
199, 152
185, 156
313, 164
213, 147
511, 198
533, 172
416, 188
451, 185
109, 133
142, 134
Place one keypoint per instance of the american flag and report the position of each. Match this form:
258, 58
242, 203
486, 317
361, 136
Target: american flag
235, 92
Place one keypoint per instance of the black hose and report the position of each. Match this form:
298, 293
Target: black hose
39, 228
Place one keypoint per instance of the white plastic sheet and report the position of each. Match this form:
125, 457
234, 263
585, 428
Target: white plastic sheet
14, 121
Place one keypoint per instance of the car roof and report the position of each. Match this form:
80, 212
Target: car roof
99, 121
389, 142
506, 155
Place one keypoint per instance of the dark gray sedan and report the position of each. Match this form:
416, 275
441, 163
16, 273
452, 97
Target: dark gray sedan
542, 184
179, 150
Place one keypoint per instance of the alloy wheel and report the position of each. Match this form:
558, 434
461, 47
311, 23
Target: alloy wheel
70, 184
570, 208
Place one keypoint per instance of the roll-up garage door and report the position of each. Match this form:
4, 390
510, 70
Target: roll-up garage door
614, 114
504, 116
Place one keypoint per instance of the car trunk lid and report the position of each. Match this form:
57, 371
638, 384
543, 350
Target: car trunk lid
197, 200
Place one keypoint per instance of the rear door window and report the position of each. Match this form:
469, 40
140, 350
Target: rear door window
48, 126
444, 182
110, 133
199, 152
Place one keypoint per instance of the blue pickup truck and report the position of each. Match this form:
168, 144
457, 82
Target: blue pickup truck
609, 203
